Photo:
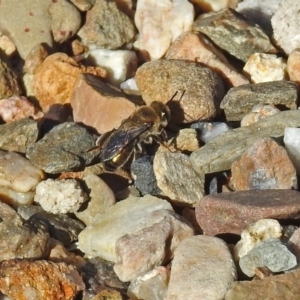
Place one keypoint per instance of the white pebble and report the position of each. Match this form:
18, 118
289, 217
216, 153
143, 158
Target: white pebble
292, 145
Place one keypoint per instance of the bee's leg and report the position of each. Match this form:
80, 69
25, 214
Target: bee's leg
162, 142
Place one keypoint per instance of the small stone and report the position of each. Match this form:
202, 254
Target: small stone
218, 154
293, 65
202, 265
199, 89
40, 280
215, 5
83, 5
27, 85
129, 86
15, 198
239, 101
63, 149
65, 20
106, 26
177, 179
152, 285
196, 47
18, 135
270, 253
262, 67
233, 212
294, 243
255, 233
234, 33
7, 46
120, 64
264, 165
258, 112
125, 217
60, 196
186, 140
141, 251
35, 58
285, 24
48, 90
102, 198
99, 105
79, 50
292, 143
159, 26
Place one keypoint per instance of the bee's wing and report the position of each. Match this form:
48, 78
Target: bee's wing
120, 138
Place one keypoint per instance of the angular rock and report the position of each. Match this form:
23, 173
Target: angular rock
106, 26
218, 154
195, 47
83, 5
293, 65
141, 251
240, 100
177, 179
39, 279
48, 90
199, 89
202, 265
270, 253
233, 212
18, 135
264, 165
186, 140
99, 105
284, 286
27, 24
63, 149
159, 26
234, 33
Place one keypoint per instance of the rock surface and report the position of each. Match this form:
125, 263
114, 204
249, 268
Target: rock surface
293, 65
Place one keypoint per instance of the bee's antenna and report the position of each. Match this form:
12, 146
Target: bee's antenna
172, 98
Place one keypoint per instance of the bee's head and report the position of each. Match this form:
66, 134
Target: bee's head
162, 111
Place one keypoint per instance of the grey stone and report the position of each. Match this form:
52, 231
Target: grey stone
18, 135
270, 253
218, 154
240, 100
234, 33
64, 148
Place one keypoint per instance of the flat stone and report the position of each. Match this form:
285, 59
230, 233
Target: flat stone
240, 100
97, 104
233, 212
234, 33
218, 154
202, 265
63, 149
203, 89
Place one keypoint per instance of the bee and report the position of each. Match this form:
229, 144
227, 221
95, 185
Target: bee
145, 125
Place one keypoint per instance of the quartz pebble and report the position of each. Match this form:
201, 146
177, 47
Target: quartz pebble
160, 25
60, 196
270, 253
292, 145
262, 67
203, 266
255, 233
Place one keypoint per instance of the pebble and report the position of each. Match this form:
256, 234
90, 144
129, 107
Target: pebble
196, 47
15, 198
83, 5
215, 5
186, 140
35, 58
159, 26
262, 67
294, 243
48, 90
63, 149
240, 100
264, 165
7, 46
177, 179
39, 279
203, 89
286, 33
270, 253
293, 63
17, 136
60, 196
246, 40
218, 154
233, 212
99, 105
255, 233
106, 26
292, 143
202, 265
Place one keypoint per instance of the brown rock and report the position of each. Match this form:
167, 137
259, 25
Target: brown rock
99, 105
293, 65
35, 58
200, 90
283, 287
55, 79
196, 47
233, 212
22, 279
264, 165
